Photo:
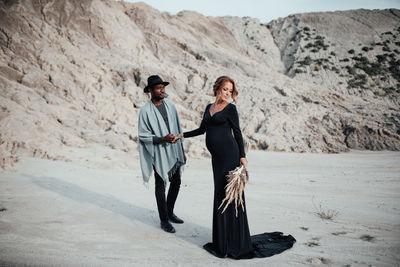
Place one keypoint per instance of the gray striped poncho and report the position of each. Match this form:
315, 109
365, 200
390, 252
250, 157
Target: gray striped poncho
163, 156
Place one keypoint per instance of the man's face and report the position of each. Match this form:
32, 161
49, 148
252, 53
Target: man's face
158, 91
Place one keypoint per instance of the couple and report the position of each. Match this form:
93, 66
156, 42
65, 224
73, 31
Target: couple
161, 150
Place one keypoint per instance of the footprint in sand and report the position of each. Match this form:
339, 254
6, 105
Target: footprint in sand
314, 242
319, 260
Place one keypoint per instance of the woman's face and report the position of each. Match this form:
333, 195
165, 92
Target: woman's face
226, 91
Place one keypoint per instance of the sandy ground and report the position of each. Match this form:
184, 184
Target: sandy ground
81, 214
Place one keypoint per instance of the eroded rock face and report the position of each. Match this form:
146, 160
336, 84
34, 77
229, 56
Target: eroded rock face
72, 75
353, 52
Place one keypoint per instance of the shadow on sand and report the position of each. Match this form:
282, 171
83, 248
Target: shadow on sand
197, 234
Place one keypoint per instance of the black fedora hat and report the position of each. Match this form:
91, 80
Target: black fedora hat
153, 80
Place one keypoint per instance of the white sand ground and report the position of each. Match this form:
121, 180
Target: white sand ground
78, 214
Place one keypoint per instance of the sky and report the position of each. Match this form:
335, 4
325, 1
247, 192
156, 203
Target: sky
265, 10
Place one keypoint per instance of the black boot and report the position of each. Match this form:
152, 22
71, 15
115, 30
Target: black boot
167, 227
175, 219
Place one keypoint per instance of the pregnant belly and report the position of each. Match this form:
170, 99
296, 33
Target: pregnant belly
222, 144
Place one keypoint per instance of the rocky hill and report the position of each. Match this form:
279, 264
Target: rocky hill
72, 75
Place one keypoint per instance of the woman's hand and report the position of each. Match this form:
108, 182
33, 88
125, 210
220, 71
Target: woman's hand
243, 161
177, 137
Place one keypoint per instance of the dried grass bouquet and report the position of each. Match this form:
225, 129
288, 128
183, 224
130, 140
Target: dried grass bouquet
237, 180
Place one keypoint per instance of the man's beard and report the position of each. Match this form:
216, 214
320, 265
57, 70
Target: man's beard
158, 98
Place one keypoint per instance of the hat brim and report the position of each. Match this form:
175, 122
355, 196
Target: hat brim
146, 89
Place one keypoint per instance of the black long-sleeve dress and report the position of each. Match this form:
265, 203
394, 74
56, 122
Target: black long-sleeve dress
230, 234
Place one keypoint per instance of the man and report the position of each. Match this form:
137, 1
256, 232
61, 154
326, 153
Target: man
160, 149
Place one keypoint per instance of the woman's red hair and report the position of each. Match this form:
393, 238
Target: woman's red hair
221, 81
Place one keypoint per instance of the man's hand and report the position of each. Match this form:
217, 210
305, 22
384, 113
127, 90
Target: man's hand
169, 138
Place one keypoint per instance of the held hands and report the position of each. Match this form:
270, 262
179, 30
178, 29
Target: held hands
169, 138
172, 138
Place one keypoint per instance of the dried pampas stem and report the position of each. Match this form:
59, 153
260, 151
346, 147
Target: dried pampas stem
237, 180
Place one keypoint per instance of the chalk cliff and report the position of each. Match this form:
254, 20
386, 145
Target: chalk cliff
72, 75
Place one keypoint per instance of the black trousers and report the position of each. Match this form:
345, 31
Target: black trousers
167, 207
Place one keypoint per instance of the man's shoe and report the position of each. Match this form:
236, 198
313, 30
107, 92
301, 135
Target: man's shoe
167, 227
175, 219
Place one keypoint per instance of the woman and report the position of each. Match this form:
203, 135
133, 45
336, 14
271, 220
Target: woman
230, 233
